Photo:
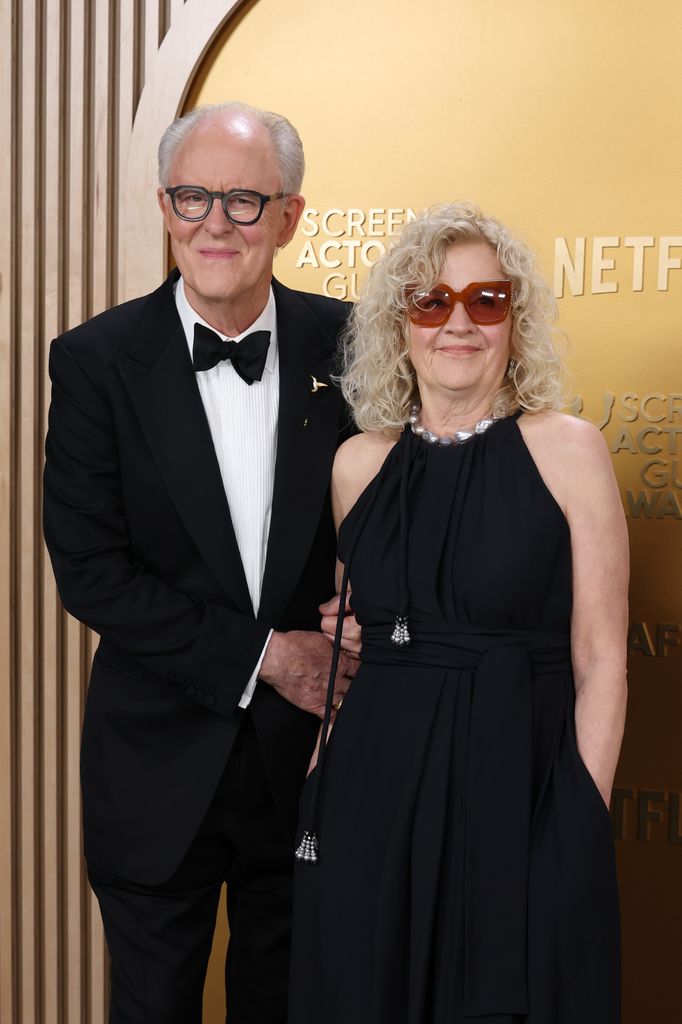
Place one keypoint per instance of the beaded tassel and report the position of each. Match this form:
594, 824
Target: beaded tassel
307, 848
400, 635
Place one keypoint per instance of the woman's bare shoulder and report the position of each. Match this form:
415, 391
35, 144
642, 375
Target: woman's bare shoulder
357, 461
570, 454
568, 436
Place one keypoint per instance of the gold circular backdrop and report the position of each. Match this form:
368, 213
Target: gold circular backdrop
564, 121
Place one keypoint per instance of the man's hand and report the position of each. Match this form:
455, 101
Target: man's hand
350, 638
296, 664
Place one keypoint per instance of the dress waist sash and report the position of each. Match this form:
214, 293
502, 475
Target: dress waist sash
499, 760
447, 646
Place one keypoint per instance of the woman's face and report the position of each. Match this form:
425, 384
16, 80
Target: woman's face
461, 357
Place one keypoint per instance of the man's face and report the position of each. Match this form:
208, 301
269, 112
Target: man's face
227, 267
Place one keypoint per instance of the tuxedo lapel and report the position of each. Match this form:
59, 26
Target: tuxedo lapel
158, 375
307, 437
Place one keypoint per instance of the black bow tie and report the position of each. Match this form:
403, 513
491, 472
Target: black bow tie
247, 356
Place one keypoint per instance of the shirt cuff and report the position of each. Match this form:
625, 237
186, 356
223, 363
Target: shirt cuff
251, 685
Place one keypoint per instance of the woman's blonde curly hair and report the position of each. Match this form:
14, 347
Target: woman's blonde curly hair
378, 380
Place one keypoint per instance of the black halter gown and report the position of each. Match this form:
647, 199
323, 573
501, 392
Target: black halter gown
466, 868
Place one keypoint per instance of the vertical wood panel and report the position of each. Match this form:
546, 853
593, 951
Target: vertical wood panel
138, 50
8, 166
76, 164
99, 123
126, 111
164, 19
26, 625
72, 74
51, 117
151, 33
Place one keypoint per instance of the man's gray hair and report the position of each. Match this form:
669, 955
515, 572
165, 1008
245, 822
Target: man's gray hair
285, 140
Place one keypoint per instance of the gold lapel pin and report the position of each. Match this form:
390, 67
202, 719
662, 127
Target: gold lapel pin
317, 384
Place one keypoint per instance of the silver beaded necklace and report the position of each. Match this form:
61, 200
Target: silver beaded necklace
459, 438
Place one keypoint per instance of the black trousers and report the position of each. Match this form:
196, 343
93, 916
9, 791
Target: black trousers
159, 937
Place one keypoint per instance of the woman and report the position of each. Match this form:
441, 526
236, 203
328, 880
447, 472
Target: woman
457, 862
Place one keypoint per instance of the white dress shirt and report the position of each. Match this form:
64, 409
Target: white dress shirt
243, 422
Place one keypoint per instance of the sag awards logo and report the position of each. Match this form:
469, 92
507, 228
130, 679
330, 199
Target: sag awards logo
346, 241
649, 426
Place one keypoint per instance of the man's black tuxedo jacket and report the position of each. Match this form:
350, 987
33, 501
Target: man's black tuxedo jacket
139, 532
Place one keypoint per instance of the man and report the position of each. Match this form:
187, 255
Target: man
188, 521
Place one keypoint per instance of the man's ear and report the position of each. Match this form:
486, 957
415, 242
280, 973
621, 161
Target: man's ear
293, 208
163, 205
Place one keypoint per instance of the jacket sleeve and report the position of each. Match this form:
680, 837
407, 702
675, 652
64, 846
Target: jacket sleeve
208, 650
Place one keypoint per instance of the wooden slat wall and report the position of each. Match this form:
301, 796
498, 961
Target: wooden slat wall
73, 75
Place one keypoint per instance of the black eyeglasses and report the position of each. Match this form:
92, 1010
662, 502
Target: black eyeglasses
240, 205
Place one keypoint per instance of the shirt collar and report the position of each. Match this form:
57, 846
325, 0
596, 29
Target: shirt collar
267, 321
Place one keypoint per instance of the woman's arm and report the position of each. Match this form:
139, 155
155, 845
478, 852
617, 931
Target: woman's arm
574, 461
599, 545
357, 461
